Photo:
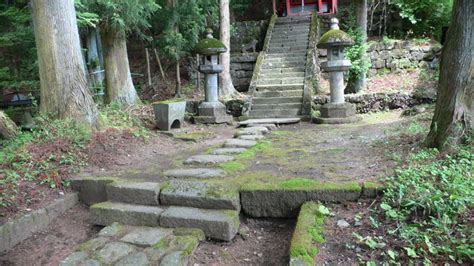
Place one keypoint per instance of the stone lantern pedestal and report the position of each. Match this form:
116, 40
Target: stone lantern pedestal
211, 111
337, 111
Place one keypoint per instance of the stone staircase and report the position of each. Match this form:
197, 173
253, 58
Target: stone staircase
278, 84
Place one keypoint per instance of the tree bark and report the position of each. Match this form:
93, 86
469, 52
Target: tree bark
120, 87
8, 129
226, 88
360, 82
178, 81
453, 117
64, 90
96, 75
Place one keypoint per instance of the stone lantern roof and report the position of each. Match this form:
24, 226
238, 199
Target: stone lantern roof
210, 45
335, 37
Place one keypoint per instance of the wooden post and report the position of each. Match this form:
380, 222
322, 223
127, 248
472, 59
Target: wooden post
288, 8
161, 68
274, 7
148, 71
320, 6
198, 73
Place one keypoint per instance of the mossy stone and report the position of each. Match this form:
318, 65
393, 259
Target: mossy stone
335, 38
210, 46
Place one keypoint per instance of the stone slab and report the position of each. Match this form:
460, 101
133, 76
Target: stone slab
194, 173
134, 259
199, 195
251, 137
337, 120
17, 230
216, 224
228, 151
286, 203
142, 193
208, 159
176, 258
277, 121
146, 236
268, 126
239, 143
91, 190
106, 213
113, 252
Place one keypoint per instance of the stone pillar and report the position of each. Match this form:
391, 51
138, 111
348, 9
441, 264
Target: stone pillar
336, 83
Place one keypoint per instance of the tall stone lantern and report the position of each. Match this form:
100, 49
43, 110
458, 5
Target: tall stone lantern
211, 111
337, 111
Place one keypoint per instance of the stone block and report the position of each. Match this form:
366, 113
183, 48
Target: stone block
228, 151
135, 259
200, 195
169, 114
194, 173
106, 213
142, 193
91, 190
176, 258
251, 137
332, 110
113, 252
146, 236
208, 159
216, 224
237, 143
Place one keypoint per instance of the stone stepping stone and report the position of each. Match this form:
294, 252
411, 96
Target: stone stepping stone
251, 137
201, 173
227, 151
216, 224
146, 236
106, 213
199, 195
277, 121
114, 251
239, 143
252, 131
135, 259
142, 193
208, 159
268, 126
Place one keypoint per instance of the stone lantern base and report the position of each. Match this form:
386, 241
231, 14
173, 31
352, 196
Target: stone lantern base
212, 113
337, 113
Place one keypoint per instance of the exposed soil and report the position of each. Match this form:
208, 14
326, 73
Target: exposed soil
267, 243
51, 246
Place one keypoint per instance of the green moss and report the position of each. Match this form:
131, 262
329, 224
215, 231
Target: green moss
185, 244
232, 167
335, 36
205, 45
308, 233
197, 135
195, 232
302, 184
282, 133
163, 244
178, 100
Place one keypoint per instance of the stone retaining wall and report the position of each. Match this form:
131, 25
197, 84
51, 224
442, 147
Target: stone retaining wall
241, 70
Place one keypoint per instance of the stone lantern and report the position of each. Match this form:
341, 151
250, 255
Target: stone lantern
211, 111
337, 110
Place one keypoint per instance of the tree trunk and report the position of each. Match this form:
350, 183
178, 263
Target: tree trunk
96, 75
64, 90
178, 81
8, 129
452, 120
120, 87
226, 89
360, 82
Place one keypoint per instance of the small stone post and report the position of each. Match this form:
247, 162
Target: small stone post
337, 111
211, 111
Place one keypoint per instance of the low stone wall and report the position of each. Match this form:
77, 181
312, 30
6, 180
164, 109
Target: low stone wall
15, 231
375, 102
241, 70
245, 33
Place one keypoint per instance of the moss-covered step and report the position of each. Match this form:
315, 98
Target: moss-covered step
283, 199
251, 131
141, 193
208, 159
216, 224
199, 173
238, 143
228, 151
200, 195
106, 213
129, 245
251, 137
308, 235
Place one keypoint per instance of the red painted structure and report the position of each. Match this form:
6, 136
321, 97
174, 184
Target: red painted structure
305, 7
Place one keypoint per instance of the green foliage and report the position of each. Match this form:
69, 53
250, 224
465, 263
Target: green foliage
357, 55
240, 6
431, 200
425, 17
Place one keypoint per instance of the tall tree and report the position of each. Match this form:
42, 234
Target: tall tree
453, 117
117, 19
64, 91
358, 82
226, 87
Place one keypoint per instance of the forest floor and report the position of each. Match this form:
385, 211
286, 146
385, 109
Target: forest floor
367, 150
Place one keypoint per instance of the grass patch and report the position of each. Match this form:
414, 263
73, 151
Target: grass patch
308, 232
194, 136
232, 167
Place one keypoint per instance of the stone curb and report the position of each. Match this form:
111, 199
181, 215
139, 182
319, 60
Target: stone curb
15, 231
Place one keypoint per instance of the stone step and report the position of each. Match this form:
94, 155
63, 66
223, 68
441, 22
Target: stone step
141, 193
216, 224
208, 159
106, 213
276, 70
292, 26
228, 151
275, 106
277, 100
282, 75
287, 49
237, 143
276, 94
265, 113
279, 87
199, 195
200, 173
294, 19
285, 59
270, 65
280, 55
275, 121
303, 43
252, 131
281, 81
268, 126
278, 37
251, 137
290, 31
